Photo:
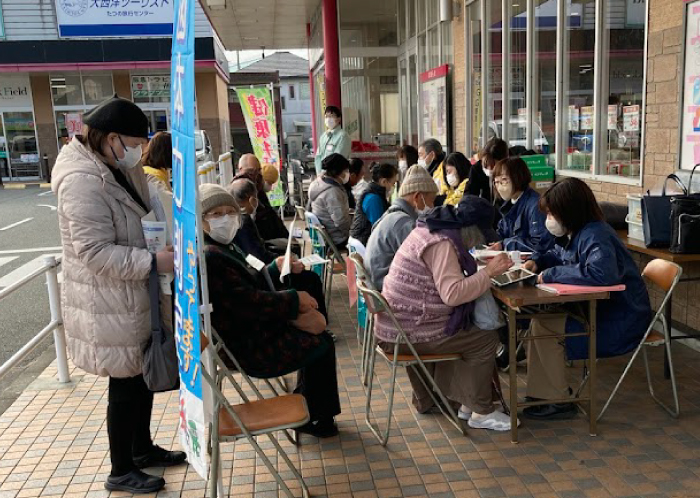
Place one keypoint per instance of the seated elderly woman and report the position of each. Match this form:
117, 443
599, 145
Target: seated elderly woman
271, 333
432, 287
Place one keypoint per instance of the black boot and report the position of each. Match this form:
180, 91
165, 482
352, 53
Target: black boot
135, 482
159, 457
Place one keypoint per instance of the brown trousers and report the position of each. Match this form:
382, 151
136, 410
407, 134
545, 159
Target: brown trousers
546, 362
466, 381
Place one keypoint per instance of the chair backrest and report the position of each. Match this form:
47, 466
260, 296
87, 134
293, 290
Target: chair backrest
360, 271
311, 219
375, 301
301, 212
355, 246
663, 273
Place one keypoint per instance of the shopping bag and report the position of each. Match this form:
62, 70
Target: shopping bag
685, 221
656, 215
160, 368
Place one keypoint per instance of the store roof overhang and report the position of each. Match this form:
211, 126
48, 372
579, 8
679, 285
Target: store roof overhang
256, 24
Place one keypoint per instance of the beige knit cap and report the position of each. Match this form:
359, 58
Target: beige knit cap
212, 196
417, 180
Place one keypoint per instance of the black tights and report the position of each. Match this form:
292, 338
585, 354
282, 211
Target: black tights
128, 422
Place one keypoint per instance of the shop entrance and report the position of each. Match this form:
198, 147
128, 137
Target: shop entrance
19, 153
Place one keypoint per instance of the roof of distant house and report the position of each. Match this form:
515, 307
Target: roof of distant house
288, 65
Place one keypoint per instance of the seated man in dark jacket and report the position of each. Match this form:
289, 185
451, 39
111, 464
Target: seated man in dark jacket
271, 333
269, 224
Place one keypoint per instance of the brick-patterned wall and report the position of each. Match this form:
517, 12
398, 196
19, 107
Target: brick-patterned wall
458, 81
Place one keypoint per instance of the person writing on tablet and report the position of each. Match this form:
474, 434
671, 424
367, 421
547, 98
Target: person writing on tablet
587, 251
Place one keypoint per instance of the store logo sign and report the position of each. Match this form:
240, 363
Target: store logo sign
74, 8
14, 92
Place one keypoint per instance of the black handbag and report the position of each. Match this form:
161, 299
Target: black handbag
160, 365
656, 215
685, 221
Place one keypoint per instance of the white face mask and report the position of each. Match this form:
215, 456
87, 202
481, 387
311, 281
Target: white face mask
453, 180
403, 165
488, 172
425, 209
331, 123
505, 191
223, 229
421, 162
345, 178
132, 156
554, 227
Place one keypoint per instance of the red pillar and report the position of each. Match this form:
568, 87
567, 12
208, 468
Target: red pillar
331, 52
312, 88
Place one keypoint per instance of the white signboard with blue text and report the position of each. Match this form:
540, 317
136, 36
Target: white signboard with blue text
117, 18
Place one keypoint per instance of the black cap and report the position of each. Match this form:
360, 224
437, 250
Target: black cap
335, 164
119, 116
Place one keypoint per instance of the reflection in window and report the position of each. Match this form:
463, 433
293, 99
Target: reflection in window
625, 86
545, 78
517, 78
495, 97
97, 87
66, 89
578, 84
477, 111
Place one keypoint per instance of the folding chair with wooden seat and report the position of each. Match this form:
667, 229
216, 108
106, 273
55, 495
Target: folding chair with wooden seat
666, 276
249, 419
376, 304
362, 275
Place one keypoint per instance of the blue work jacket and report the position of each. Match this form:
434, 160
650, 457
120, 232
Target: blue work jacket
522, 226
596, 256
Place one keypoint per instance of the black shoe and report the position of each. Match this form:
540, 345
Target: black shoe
320, 429
563, 411
135, 482
159, 457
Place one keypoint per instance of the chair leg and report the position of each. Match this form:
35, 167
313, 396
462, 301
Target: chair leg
292, 467
382, 438
368, 344
215, 454
441, 400
674, 412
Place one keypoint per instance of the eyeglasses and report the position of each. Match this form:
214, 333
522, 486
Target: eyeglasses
503, 181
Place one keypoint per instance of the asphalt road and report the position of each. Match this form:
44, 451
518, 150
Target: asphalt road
26, 311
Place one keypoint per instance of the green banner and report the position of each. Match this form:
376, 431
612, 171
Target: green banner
259, 112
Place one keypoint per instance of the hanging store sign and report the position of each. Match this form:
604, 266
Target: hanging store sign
114, 18
15, 91
150, 86
434, 110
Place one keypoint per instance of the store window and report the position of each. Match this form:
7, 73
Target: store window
544, 79
624, 86
304, 91
474, 37
150, 88
97, 88
292, 95
495, 72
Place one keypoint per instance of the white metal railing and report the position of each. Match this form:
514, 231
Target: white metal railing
50, 268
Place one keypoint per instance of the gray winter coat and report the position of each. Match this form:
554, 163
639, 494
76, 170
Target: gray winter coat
329, 202
388, 233
106, 308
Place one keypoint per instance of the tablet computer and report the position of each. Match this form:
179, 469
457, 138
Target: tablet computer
512, 277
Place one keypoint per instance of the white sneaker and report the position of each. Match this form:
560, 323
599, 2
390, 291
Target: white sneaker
465, 413
495, 421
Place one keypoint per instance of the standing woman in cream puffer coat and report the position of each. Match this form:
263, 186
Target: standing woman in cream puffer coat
102, 197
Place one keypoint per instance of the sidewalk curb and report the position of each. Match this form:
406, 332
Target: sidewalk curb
22, 186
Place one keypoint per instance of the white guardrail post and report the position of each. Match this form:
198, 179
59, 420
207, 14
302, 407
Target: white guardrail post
59, 335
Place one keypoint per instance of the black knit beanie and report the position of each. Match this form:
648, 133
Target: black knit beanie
119, 116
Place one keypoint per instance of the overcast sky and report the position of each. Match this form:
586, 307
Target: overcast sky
252, 55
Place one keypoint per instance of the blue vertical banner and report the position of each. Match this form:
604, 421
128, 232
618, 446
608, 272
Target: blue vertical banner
185, 223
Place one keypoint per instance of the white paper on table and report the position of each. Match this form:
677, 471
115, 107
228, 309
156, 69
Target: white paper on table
313, 259
287, 265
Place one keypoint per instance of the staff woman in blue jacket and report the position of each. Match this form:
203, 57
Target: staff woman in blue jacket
522, 224
587, 252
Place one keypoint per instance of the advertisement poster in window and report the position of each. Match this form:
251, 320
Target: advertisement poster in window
690, 111
587, 117
114, 18
573, 118
630, 115
147, 87
74, 123
434, 112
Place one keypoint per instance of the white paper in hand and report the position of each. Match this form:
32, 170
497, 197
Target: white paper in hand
314, 259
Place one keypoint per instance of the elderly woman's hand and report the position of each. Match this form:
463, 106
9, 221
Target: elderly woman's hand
306, 302
296, 266
165, 260
498, 265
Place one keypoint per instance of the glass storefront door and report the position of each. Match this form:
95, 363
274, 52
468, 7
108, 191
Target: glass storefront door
158, 120
21, 145
4, 164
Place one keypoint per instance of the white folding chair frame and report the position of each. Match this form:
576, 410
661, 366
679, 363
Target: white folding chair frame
377, 304
362, 275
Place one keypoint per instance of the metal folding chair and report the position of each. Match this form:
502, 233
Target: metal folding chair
376, 304
356, 247
249, 419
361, 275
665, 275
